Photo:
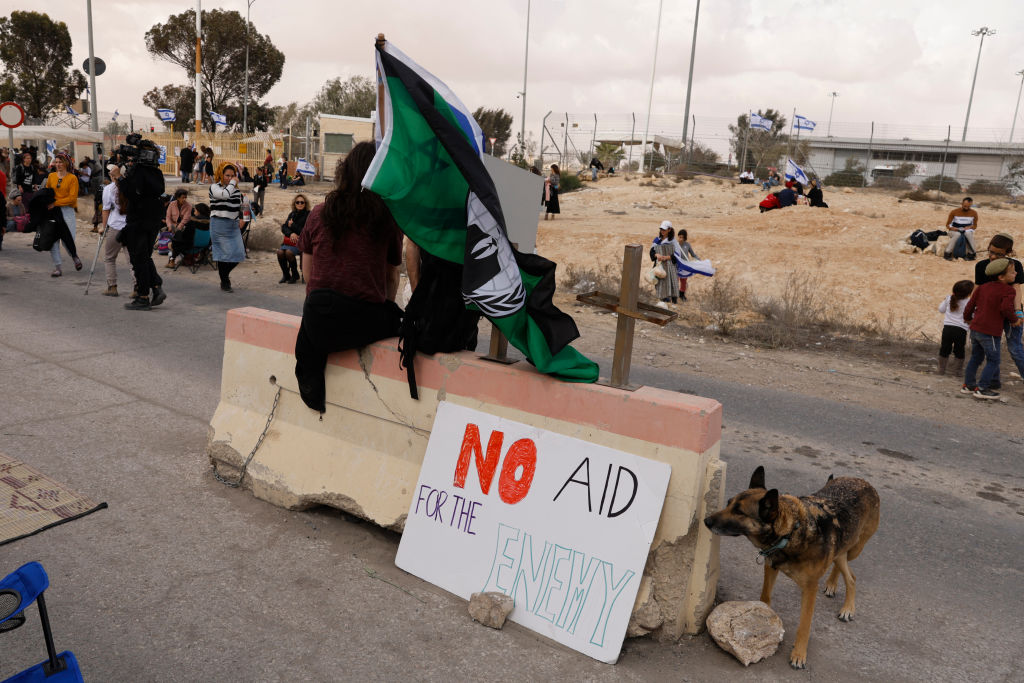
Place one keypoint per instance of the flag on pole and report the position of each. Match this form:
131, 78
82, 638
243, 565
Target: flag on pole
116, 114
794, 172
760, 122
166, 115
430, 173
71, 111
51, 149
219, 118
804, 123
304, 167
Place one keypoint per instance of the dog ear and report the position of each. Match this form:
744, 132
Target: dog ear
768, 508
757, 478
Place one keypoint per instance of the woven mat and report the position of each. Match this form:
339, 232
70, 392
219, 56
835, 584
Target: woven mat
31, 502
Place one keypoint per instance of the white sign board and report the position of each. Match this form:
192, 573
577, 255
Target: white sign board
561, 525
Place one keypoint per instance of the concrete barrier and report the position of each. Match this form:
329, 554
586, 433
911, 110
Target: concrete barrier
364, 455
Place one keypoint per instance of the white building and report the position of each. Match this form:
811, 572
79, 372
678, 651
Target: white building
965, 161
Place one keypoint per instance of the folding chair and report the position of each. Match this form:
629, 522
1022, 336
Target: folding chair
18, 590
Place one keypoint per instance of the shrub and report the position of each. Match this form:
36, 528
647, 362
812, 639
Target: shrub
948, 184
568, 182
723, 301
891, 183
848, 177
983, 186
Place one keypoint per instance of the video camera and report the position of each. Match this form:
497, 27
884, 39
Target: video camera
138, 150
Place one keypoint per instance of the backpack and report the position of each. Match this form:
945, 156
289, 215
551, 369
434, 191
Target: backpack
436, 319
919, 239
163, 242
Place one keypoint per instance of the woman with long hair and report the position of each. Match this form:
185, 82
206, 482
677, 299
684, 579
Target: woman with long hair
551, 193
225, 232
64, 184
292, 227
352, 250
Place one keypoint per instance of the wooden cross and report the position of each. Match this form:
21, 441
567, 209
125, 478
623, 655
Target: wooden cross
629, 310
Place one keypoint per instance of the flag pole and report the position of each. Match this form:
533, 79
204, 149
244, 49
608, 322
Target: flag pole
199, 63
790, 140
746, 139
379, 43
650, 93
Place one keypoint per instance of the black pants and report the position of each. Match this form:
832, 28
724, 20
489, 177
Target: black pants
334, 322
953, 339
139, 242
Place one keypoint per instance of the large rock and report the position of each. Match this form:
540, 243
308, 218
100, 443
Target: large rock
748, 630
490, 609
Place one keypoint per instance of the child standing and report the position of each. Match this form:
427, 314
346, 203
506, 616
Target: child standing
954, 329
684, 252
990, 305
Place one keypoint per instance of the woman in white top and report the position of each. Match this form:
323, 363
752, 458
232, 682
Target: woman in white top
225, 233
114, 208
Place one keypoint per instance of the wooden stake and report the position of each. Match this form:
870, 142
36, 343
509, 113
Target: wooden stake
623, 354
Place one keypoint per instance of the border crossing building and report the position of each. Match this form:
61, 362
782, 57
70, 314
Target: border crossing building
965, 161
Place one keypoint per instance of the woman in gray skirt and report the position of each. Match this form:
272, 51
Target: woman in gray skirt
225, 229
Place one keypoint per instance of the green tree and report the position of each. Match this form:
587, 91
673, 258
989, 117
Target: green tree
223, 57
764, 147
355, 97
36, 54
180, 98
495, 123
609, 153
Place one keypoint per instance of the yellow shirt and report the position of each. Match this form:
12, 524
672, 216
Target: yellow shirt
65, 188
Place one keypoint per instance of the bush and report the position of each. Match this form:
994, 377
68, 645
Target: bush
891, 183
848, 177
568, 182
948, 184
982, 186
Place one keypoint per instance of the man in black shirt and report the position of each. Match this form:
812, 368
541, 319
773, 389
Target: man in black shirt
188, 159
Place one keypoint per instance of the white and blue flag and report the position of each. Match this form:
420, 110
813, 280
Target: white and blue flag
51, 149
71, 111
219, 118
166, 115
304, 167
794, 172
760, 122
116, 114
163, 154
804, 123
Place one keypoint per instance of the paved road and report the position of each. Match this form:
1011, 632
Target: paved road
183, 579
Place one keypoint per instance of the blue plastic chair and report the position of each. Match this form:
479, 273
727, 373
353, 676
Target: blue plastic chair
18, 590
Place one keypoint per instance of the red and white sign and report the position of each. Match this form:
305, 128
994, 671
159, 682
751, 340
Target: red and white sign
561, 525
11, 114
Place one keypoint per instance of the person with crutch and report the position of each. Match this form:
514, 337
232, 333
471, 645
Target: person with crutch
113, 222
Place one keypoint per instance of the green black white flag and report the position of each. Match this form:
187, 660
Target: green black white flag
428, 170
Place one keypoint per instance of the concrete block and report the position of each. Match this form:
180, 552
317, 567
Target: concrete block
365, 454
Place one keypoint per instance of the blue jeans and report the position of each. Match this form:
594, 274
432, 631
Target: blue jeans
983, 347
1015, 345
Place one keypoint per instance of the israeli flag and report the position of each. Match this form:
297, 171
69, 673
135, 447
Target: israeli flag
163, 154
51, 149
304, 167
803, 123
71, 111
166, 115
794, 172
116, 114
219, 118
760, 122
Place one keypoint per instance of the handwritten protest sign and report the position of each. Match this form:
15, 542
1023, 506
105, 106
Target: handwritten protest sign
561, 525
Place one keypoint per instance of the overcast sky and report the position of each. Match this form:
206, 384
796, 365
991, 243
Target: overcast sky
906, 63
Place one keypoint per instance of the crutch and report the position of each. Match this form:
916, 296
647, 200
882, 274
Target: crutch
96, 258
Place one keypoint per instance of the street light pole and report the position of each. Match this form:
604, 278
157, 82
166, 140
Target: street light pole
1021, 89
983, 31
526, 62
199, 69
689, 81
245, 106
650, 93
828, 131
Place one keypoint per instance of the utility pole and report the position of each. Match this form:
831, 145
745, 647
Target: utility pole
199, 69
94, 122
245, 106
983, 31
650, 93
1012, 127
689, 81
828, 131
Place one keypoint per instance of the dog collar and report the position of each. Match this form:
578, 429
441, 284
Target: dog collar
779, 545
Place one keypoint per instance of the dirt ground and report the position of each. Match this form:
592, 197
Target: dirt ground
853, 249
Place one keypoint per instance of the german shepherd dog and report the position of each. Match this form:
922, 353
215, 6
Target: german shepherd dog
801, 537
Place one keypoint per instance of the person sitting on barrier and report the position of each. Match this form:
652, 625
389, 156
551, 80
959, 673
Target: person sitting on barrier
351, 252
288, 253
17, 217
962, 224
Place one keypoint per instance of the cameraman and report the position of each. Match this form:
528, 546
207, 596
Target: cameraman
142, 185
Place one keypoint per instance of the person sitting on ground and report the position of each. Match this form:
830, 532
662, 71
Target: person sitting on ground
352, 251
787, 197
962, 223
990, 307
815, 196
17, 216
245, 176
595, 166
746, 178
289, 252
298, 180
179, 212
1001, 246
184, 239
